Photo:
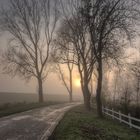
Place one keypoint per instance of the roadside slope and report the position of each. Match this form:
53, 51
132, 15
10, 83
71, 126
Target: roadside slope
79, 124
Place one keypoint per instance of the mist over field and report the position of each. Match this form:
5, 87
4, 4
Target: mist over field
7, 97
69, 69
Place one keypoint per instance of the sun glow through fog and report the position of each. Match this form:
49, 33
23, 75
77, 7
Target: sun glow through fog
77, 82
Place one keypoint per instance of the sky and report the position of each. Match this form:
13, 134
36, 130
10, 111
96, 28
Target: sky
52, 85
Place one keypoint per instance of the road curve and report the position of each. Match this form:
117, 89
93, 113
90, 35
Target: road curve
37, 124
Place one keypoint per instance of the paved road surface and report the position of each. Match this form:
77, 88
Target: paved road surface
37, 124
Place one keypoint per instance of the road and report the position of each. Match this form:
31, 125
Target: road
37, 124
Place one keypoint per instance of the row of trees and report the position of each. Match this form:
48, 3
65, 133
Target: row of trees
31, 24
93, 33
124, 87
81, 33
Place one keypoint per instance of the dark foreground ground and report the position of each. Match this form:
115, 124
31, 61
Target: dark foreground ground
78, 124
36, 124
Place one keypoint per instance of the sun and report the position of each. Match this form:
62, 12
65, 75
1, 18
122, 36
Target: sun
77, 82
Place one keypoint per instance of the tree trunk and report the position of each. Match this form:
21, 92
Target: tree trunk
86, 94
137, 100
70, 97
40, 90
99, 89
71, 90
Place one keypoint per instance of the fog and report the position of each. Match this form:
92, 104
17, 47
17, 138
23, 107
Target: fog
51, 86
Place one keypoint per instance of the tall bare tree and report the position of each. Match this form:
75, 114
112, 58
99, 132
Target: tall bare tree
135, 70
67, 79
75, 39
31, 24
63, 58
109, 21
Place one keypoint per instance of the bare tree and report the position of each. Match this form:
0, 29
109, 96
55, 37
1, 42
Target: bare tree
126, 96
135, 70
76, 40
116, 80
67, 80
63, 58
31, 24
108, 22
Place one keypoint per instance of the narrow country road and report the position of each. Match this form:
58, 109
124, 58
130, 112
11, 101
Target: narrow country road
37, 124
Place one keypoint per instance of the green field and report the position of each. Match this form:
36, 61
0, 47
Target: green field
79, 124
12, 108
7, 97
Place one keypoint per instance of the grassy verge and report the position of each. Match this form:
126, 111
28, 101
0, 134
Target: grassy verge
12, 108
78, 124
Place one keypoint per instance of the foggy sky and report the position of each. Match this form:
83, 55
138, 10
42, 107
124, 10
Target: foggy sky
52, 85
7, 84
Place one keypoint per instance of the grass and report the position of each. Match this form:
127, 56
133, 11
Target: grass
79, 124
12, 108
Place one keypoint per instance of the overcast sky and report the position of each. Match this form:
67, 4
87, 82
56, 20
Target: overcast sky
52, 84
7, 84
